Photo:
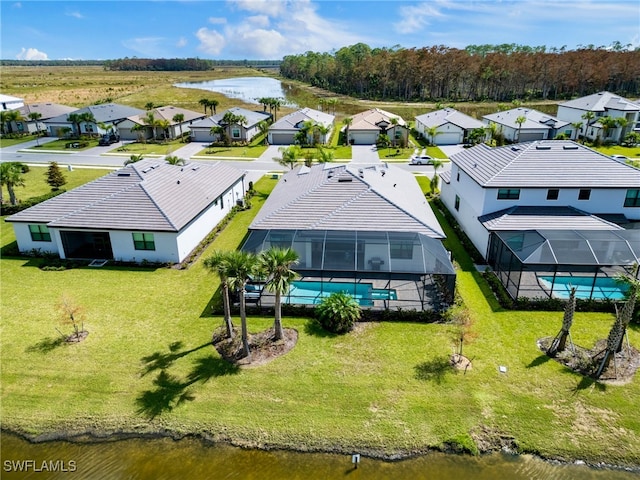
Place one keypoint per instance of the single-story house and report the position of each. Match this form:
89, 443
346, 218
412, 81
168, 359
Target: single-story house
536, 125
160, 113
284, 131
365, 127
109, 114
601, 104
546, 209
46, 110
8, 102
367, 230
147, 211
453, 127
201, 129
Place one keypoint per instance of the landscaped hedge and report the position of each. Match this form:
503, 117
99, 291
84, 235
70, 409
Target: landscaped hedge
11, 209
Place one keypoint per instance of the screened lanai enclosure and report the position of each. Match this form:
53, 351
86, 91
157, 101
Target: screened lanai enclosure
549, 263
382, 270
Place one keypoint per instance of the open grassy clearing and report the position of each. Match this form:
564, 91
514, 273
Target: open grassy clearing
382, 387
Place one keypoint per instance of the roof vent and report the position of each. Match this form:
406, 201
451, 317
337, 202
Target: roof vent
124, 174
147, 170
345, 179
515, 149
543, 147
196, 167
570, 147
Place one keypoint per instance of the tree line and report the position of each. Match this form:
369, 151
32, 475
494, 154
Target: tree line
182, 64
476, 73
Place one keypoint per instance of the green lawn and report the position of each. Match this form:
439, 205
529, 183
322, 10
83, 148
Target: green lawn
380, 387
137, 148
9, 142
61, 144
249, 152
36, 184
633, 153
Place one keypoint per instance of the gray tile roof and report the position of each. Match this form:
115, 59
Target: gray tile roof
600, 102
545, 164
534, 119
106, 112
338, 197
253, 118
167, 113
449, 115
47, 110
369, 119
535, 218
149, 195
289, 122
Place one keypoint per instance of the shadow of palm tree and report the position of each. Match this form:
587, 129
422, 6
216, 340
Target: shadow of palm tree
168, 394
540, 360
46, 345
210, 367
434, 370
162, 361
587, 382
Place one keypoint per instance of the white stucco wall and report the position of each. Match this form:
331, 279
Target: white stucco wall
25, 244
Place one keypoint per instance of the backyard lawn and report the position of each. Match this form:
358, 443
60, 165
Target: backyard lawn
147, 365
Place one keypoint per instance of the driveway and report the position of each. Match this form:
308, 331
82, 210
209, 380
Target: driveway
364, 154
449, 150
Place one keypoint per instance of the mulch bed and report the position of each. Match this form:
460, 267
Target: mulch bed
262, 346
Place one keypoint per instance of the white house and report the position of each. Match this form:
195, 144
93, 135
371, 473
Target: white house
201, 129
147, 211
452, 127
8, 102
108, 114
536, 125
601, 104
46, 111
365, 127
167, 114
284, 131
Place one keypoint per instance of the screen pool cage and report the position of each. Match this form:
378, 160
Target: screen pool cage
548, 263
384, 270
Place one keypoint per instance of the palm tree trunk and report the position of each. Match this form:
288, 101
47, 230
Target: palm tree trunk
227, 310
277, 324
243, 319
12, 194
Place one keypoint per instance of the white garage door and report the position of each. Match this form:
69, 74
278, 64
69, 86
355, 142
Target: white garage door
527, 137
281, 139
364, 138
452, 138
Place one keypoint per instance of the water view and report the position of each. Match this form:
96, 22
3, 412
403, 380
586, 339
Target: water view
247, 89
189, 458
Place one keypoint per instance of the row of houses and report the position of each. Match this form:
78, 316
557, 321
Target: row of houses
576, 118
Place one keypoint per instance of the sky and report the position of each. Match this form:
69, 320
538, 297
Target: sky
271, 29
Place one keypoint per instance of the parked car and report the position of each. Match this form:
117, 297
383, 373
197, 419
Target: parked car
108, 139
421, 160
620, 158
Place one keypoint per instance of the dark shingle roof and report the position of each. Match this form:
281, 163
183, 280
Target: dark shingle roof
536, 217
545, 164
147, 195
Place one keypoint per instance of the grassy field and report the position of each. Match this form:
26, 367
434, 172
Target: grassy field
147, 365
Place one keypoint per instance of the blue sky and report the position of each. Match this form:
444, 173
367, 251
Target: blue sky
271, 29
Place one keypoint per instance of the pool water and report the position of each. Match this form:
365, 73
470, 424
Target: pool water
605, 287
312, 293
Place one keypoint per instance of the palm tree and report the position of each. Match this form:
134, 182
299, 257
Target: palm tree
323, 131
205, 103
213, 104
288, 158
34, 117
325, 155
141, 132
174, 160
578, 127
608, 123
220, 131
150, 119
163, 125
493, 130
520, 120
3, 120
263, 126
276, 264
589, 117
347, 122
434, 181
10, 117
133, 159
432, 132
241, 266
622, 123
11, 176
87, 118
275, 104
219, 264
74, 119
149, 106
179, 118
559, 343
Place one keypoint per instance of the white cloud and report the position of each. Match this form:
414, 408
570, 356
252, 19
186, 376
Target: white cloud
148, 46
31, 54
182, 42
273, 8
17, 5
74, 14
211, 41
217, 20
259, 20
259, 43
415, 18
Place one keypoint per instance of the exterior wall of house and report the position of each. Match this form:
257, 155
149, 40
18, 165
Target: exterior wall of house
574, 115
26, 244
203, 135
124, 250
199, 228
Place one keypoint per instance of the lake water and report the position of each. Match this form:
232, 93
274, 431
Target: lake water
247, 89
160, 459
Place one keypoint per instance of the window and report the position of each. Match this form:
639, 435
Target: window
458, 176
584, 194
508, 194
398, 134
401, 250
235, 132
552, 194
632, 199
457, 204
39, 233
144, 241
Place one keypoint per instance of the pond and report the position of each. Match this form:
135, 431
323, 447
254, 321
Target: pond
247, 89
164, 458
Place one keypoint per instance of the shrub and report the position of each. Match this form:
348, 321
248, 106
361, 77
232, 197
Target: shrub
338, 312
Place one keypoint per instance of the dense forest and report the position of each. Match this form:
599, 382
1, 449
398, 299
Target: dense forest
148, 64
476, 73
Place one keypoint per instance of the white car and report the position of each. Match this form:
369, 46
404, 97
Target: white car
620, 158
421, 160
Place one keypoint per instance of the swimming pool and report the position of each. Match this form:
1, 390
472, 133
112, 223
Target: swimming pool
312, 293
605, 287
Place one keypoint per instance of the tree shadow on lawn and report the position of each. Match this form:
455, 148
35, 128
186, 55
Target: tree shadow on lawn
540, 360
170, 391
46, 345
435, 369
162, 361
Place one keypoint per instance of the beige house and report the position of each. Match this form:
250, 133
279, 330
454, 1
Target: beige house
366, 127
160, 113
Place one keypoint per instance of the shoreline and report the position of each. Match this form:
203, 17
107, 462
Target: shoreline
94, 436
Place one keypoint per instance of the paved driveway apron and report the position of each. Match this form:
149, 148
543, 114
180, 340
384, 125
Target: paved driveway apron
364, 154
